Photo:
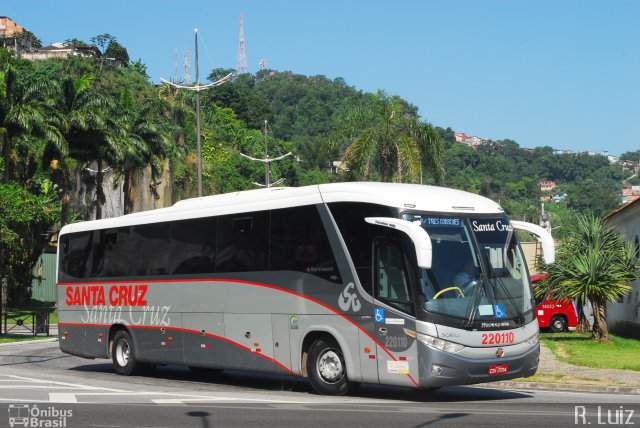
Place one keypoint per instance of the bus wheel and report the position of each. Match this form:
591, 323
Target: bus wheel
123, 356
558, 324
326, 368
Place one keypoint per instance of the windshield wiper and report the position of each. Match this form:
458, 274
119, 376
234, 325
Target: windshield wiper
474, 306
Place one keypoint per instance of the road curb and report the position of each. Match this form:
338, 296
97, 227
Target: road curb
23, 342
567, 387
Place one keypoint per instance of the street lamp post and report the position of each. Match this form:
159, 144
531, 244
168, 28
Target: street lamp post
197, 88
267, 161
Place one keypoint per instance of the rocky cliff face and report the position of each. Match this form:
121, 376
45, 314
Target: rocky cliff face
149, 194
146, 193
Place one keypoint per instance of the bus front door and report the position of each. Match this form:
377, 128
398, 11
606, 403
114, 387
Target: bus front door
398, 354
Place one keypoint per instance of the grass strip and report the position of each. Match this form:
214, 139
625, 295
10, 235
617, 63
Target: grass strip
579, 349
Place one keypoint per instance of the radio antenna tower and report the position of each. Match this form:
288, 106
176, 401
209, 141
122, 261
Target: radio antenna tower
175, 71
242, 54
187, 67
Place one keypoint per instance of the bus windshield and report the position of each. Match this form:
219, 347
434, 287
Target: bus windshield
478, 270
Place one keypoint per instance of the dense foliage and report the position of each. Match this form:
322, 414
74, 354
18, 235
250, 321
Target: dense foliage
65, 121
24, 221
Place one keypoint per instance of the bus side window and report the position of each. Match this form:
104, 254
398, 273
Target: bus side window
299, 242
243, 242
358, 234
151, 249
391, 279
111, 253
75, 261
193, 246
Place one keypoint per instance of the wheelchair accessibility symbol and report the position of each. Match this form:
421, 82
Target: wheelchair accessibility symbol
499, 310
378, 314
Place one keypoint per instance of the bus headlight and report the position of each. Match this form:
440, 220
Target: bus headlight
443, 345
532, 340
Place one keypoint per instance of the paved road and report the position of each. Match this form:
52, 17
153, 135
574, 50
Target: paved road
38, 380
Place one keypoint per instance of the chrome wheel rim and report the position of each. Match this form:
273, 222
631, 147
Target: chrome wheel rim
330, 366
123, 352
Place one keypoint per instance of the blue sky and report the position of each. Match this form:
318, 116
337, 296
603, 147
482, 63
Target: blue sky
562, 73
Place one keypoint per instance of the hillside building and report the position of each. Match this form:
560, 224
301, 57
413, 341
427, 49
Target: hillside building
469, 140
547, 185
14, 37
61, 50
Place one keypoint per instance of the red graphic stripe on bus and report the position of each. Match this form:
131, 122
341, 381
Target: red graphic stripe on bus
273, 360
185, 330
257, 284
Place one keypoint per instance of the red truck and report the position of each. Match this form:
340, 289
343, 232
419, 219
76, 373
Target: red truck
555, 315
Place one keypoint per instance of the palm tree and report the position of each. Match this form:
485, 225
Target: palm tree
595, 263
89, 130
144, 141
387, 138
26, 120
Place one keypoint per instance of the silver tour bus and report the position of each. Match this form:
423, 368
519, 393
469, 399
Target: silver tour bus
343, 283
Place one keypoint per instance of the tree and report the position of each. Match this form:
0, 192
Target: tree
102, 41
240, 96
599, 197
85, 121
118, 52
594, 263
25, 117
144, 142
24, 219
385, 138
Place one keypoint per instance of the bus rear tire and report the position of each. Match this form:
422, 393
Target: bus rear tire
558, 324
327, 369
124, 356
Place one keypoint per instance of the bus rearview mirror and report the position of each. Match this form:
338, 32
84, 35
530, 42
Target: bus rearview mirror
419, 237
548, 246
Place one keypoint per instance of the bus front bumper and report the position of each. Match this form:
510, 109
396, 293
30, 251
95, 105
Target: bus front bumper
439, 368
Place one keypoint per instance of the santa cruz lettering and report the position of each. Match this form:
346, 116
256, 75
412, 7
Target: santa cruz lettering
498, 226
118, 295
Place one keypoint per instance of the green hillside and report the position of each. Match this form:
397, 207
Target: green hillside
62, 118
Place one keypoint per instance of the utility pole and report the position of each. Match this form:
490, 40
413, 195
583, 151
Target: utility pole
267, 161
545, 220
197, 88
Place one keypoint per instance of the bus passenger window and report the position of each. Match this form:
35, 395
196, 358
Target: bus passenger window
75, 261
243, 242
111, 253
193, 246
151, 244
299, 243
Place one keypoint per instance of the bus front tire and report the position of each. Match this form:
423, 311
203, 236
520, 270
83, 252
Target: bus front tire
326, 368
124, 356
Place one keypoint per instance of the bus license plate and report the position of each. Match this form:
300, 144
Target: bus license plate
498, 369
